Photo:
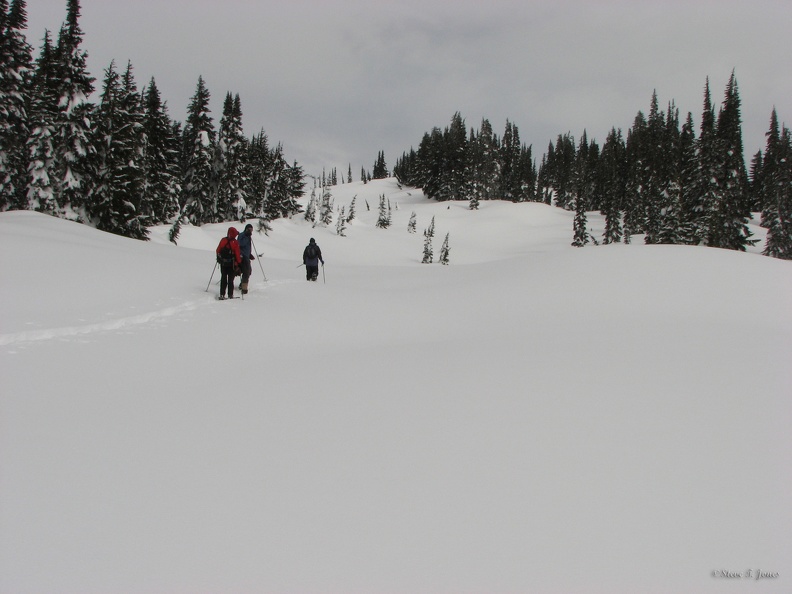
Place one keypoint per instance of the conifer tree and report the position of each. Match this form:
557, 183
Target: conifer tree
611, 174
341, 225
73, 151
655, 175
670, 169
228, 167
380, 170
41, 190
580, 225
688, 171
730, 212
637, 171
444, 251
777, 192
160, 158
118, 184
199, 139
352, 213
326, 207
310, 210
413, 222
428, 254
383, 220
16, 73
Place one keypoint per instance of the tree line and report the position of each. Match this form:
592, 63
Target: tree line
123, 164
662, 180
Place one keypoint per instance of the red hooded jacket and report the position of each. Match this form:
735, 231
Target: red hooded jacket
231, 239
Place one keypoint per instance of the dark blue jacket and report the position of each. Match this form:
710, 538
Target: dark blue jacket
245, 245
312, 261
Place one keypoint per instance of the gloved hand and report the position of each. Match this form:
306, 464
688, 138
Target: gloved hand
252, 257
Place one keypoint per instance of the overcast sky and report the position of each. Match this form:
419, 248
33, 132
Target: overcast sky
336, 81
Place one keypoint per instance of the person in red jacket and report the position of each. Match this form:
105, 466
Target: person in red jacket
229, 258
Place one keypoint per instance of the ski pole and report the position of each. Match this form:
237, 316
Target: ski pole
259, 259
324, 280
211, 277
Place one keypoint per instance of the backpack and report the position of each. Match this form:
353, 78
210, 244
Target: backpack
311, 252
226, 254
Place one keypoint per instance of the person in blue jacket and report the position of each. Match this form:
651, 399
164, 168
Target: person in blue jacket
312, 255
246, 251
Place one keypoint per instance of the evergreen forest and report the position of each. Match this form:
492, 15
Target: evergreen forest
122, 163
663, 180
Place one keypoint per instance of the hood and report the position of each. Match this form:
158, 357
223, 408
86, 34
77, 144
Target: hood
232, 232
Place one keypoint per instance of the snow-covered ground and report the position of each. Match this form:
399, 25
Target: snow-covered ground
531, 418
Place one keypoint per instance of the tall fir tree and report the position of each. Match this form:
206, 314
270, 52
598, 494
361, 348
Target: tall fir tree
16, 75
198, 145
73, 150
688, 169
41, 188
428, 254
444, 251
161, 171
730, 212
326, 207
612, 185
380, 170
115, 203
229, 171
705, 193
383, 219
777, 192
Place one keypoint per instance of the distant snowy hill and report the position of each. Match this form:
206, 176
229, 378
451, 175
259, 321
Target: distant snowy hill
531, 418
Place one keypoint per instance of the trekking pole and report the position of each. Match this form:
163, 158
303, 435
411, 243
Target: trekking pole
324, 280
211, 277
259, 259
301, 265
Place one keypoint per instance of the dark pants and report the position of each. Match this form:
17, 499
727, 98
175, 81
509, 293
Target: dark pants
247, 270
311, 272
227, 280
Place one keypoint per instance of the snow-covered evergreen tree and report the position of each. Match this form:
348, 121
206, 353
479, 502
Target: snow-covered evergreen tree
342, 222
41, 188
580, 225
777, 192
412, 223
611, 175
16, 72
380, 170
199, 138
115, 204
428, 254
444, 251
310, 210
73, 150
161, 187
384, 218
730, 212
352, 212
326, 207
229, 170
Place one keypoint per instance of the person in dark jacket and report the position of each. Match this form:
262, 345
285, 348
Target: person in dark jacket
312, 255
229, 258
246, 251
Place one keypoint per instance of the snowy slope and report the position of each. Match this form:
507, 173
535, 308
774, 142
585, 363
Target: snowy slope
531, 418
